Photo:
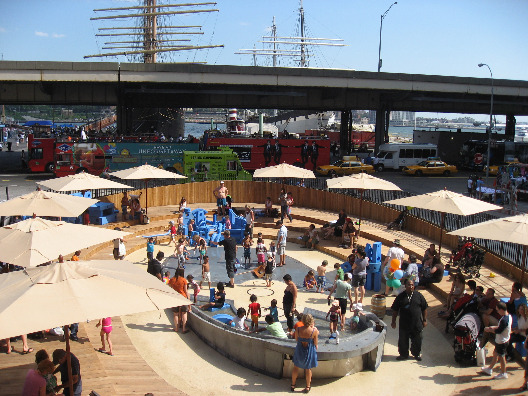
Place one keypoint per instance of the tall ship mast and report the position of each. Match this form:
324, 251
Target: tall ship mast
298, 47
148, 33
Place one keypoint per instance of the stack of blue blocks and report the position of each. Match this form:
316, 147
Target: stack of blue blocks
374, 269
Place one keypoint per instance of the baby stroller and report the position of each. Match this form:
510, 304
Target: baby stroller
473, 262
460, 256
465, 344
398, 223
465, 304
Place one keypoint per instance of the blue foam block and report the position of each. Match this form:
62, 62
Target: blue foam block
224, 318
346, 267
446, 273
373, 281
373, 267
226, 305
376, 252
368, 251
212, 294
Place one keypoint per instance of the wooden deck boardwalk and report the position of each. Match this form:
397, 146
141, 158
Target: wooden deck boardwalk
126, 373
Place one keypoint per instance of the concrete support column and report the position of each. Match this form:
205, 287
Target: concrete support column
382, 126
510, 126
344, 136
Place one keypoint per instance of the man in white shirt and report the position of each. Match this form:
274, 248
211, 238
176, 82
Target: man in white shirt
395, 252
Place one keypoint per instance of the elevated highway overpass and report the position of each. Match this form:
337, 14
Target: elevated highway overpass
131, 86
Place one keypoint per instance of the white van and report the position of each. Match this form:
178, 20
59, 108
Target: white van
398, 155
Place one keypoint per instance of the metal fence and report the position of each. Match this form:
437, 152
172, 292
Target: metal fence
510, 252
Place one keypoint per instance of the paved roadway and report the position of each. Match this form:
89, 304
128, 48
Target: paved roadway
18, 183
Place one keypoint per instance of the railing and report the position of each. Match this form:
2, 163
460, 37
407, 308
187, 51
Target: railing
510, 252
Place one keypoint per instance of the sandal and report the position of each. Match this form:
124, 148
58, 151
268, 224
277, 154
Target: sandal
28, 351
307, 389
292, 388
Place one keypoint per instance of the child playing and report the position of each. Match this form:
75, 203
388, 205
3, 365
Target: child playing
190, 227
179, 252
268, 205
191, 284
335, 317
246, 243
227, 223
273, 250
239, 320
254, 311
202, 249
261, 251
206, 275
340, 272
219, 298
106, 329
150, 249
273, 310
321, 276
268, 272
181, 228
167, 277
309, 280
172, 231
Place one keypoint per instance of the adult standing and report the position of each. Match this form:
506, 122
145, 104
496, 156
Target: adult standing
179, 284
305, 354
359, 277
154, 265
229, 244
412, 308
395, 252
250, 220
289, 300
342, 289
283, 202
220, 194
282, 235
59, 357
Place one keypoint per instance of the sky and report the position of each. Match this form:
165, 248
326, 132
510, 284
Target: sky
435, 37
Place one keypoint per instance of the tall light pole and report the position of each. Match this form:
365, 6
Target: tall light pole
490, 122
381, 27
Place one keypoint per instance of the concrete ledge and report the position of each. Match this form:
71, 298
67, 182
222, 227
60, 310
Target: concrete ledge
273, 356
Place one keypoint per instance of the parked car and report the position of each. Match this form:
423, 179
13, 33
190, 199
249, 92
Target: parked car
343, 168
430, 168
494, 169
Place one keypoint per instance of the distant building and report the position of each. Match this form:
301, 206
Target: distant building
402, 118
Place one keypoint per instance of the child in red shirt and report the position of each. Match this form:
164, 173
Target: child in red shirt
254, 311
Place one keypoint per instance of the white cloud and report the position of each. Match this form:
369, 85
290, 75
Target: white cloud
41, 34
57, 35
2, 30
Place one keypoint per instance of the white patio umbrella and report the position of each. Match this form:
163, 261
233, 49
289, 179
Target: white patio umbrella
512, 229
146, 173
80, 182
284, 171
361, 182
445, 201
62, 293
45, 203
35, 241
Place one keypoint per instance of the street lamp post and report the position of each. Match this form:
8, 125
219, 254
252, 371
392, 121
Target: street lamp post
381, 27
490, 123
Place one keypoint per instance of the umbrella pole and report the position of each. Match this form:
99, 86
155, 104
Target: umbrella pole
360, 211
523, 264
146, 197
442, 224
68, 358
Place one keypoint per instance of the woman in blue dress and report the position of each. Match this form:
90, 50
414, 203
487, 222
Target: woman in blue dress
305, 355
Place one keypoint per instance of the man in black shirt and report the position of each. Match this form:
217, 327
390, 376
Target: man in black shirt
229, 244
154, 265
412, 308
59, 357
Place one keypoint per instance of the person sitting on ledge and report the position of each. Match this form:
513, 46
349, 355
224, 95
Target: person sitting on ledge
433, 275
219, 298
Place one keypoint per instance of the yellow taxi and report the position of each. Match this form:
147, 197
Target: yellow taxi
494, 169
430, 167
343, 168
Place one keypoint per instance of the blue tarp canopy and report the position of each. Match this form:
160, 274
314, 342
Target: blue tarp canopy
39, 122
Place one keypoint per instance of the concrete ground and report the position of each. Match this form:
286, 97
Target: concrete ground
191, 366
